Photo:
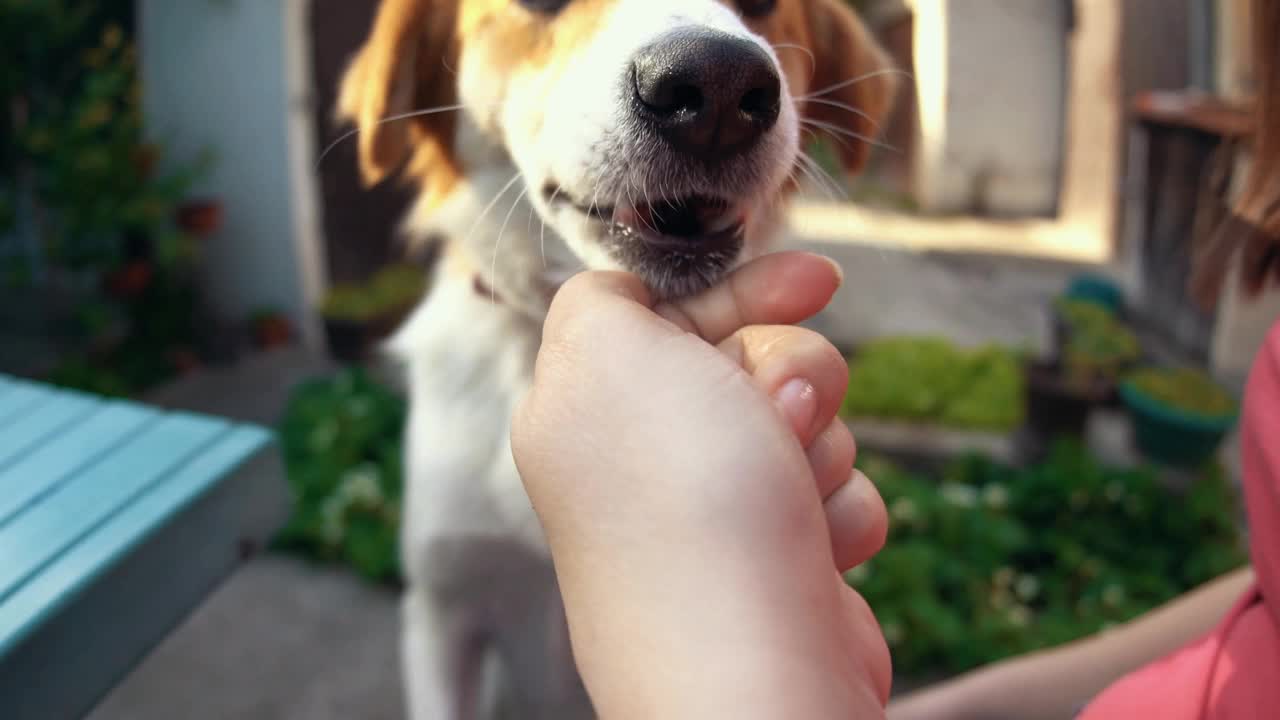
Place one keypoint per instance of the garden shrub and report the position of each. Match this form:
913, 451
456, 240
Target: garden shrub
987, 561
341, 439
933, 381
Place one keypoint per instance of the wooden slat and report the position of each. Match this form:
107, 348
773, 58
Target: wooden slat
75, 507
44, 468
40, 599
21, 399
57, 415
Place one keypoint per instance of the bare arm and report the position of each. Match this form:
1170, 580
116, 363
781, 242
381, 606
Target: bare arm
1056, 683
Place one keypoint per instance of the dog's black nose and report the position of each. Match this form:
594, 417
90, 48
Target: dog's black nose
708, 93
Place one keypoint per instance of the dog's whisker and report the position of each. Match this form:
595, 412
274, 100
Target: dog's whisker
489, 208
837, 130
846, 106
542, 240
391, 118
497, 244
819, 137
808, 174
855, 80
841, 188
821, 178
813, 60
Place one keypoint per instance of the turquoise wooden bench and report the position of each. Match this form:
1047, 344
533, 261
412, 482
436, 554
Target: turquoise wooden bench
116, 520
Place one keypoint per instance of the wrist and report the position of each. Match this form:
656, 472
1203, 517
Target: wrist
699, 644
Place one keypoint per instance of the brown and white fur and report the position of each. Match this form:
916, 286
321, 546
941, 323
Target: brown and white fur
547, 166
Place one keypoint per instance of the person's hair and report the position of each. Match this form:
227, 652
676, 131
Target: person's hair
1260, 201
1248, 237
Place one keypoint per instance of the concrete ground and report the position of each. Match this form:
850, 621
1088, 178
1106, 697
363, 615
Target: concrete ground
969, 299
281, 640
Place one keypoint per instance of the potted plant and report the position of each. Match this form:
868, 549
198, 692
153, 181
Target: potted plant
270, 330
1092, 350
1180, 415
358, 316
200, 217
1096, 289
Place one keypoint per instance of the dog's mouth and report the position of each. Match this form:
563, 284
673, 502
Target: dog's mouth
689, 224
678, 246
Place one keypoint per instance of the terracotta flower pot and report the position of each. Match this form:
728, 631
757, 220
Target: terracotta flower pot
145, 158
200, 218
130, 280
271, 331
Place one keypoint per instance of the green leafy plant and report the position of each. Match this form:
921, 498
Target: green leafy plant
932, 380
391, 290
87, 215
341, 439
78, 152
985, 561
1098, 345
1185, 389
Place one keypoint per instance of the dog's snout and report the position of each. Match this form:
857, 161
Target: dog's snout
708, 93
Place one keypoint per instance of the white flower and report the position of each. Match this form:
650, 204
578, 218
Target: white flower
1027, 587
959, 495
1019, 616
995, 496
893, 633
1004, 577
903, 510
360, 487
1113, 596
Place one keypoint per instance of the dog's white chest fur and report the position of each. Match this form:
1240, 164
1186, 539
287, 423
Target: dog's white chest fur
470, 360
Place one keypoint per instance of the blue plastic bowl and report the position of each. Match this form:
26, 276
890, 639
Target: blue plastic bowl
1172, 436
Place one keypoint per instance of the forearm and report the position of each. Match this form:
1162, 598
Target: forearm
1057, 683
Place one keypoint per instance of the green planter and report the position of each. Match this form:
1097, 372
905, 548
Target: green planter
1096, 289
1171, 435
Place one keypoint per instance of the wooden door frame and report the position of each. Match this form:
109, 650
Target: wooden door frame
1086, 229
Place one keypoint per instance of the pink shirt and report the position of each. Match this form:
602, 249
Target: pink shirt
1233, 673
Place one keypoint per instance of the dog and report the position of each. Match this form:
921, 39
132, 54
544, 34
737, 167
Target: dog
658, 137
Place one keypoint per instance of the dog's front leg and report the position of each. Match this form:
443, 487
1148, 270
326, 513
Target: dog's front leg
443, 656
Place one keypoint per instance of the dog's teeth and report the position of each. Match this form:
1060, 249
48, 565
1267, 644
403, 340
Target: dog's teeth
625, 215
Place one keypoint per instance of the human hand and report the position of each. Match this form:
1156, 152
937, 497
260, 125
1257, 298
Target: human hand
698, 496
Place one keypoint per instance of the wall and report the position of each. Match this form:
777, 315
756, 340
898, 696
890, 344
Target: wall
992, 86
231, 76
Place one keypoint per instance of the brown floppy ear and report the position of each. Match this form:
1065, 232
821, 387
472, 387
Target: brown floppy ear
404, 67
853, 70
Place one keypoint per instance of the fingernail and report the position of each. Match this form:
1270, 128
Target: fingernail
835, 266
798, 401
